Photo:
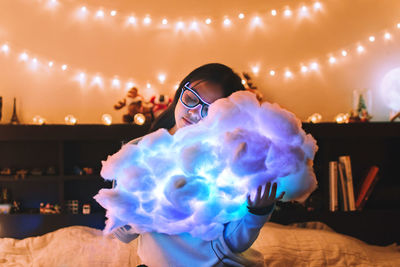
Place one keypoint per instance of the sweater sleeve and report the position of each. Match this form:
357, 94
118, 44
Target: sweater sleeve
240, 235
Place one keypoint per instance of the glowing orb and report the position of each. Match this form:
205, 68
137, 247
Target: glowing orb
106, 119
198, 179
315, 118
342, 118
139, 119
70, 120
38, 120
390, 89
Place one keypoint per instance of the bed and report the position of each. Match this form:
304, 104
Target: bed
311, 244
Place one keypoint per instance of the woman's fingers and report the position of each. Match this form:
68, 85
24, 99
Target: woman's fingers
281, 195
266, 190
273, 191
249, 202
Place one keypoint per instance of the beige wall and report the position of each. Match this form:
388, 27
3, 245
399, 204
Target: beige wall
109, 49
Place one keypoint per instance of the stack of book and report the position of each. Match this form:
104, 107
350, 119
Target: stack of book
341, 188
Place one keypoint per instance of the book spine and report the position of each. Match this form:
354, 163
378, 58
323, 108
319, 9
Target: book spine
349, 181
367, 186
343, 186
333, 177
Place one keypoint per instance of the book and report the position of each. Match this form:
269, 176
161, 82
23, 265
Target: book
367, 186
345, 160
333, 179
343, 188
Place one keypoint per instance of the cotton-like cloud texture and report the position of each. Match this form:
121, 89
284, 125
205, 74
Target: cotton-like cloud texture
198, 179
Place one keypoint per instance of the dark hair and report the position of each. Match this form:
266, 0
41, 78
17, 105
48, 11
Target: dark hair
216, 73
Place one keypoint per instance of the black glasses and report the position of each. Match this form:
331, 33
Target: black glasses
190, 99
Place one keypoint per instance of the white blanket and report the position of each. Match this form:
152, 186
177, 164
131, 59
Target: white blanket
281, 246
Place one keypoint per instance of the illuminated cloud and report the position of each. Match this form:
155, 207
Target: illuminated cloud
198, 179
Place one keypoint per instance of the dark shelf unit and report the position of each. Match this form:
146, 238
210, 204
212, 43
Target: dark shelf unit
28, 146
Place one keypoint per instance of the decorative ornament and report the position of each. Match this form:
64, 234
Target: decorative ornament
160, 103
135, 104
14, 117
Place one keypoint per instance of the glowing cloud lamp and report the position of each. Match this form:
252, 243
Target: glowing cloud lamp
390, 89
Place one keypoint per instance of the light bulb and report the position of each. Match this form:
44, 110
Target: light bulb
148, 85
64, 67
255, 69
272, 72
147, 20
161, 78
288, 74
388, 36
314, 66
23, 56
38, 120
317, 6
164, 21
180, 25
51, 64
241, 16
332, 60
371, 39
5, 48
243, 82
115, 83
344, 53
100, 14
131, 20
113, 13
227, 22
208, 21
360, 49
304, 69
287, 13
273, 12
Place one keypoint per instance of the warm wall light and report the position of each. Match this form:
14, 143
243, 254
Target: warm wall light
317, 6
273, 12
304, 69
360, 49
371, 39
100, 14
227, 22
287, 13
23, 56
241, 16
147, 20
255, 69
51, 63
288, 74
344, 53
64, 67
388, 36
314, 66
164, 21
113, 13
332, 60
132, 20
272, 73
116, 83
208, 21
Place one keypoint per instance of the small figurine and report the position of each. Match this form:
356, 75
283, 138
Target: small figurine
88, 171
51, 170
21, 174
36, 172
160, 103
6, 171
15, 207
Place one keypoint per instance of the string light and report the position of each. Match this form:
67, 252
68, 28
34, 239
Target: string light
164, 21
398, 25
100, 13
116, 82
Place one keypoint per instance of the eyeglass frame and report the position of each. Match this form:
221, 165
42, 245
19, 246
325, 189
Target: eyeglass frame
201, 101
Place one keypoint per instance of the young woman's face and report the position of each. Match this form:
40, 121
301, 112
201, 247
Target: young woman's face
209, 92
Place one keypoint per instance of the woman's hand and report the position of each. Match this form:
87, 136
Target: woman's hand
264, 199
